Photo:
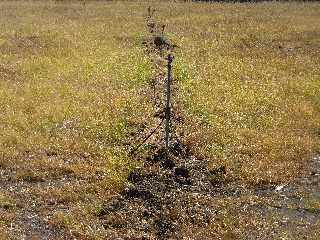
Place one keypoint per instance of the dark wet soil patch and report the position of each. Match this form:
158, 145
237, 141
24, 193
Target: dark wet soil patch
155, 203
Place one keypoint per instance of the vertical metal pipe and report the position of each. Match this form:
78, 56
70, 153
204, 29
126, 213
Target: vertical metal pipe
168, 103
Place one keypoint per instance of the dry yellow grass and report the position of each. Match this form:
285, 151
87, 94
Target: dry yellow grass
69, 80
250, 77
72, 79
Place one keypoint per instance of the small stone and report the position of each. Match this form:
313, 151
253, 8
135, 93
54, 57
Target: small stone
181, 171
136, 176
138, 193
168, 163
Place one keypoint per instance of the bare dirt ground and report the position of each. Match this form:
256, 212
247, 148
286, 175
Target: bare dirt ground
158, 204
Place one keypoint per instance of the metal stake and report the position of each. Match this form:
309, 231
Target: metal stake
168, 104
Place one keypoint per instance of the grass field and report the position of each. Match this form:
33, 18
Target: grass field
73, 81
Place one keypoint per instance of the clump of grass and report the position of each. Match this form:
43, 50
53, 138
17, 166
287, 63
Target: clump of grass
29, 176
80, 221
311, 202
6, 202
4, 232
